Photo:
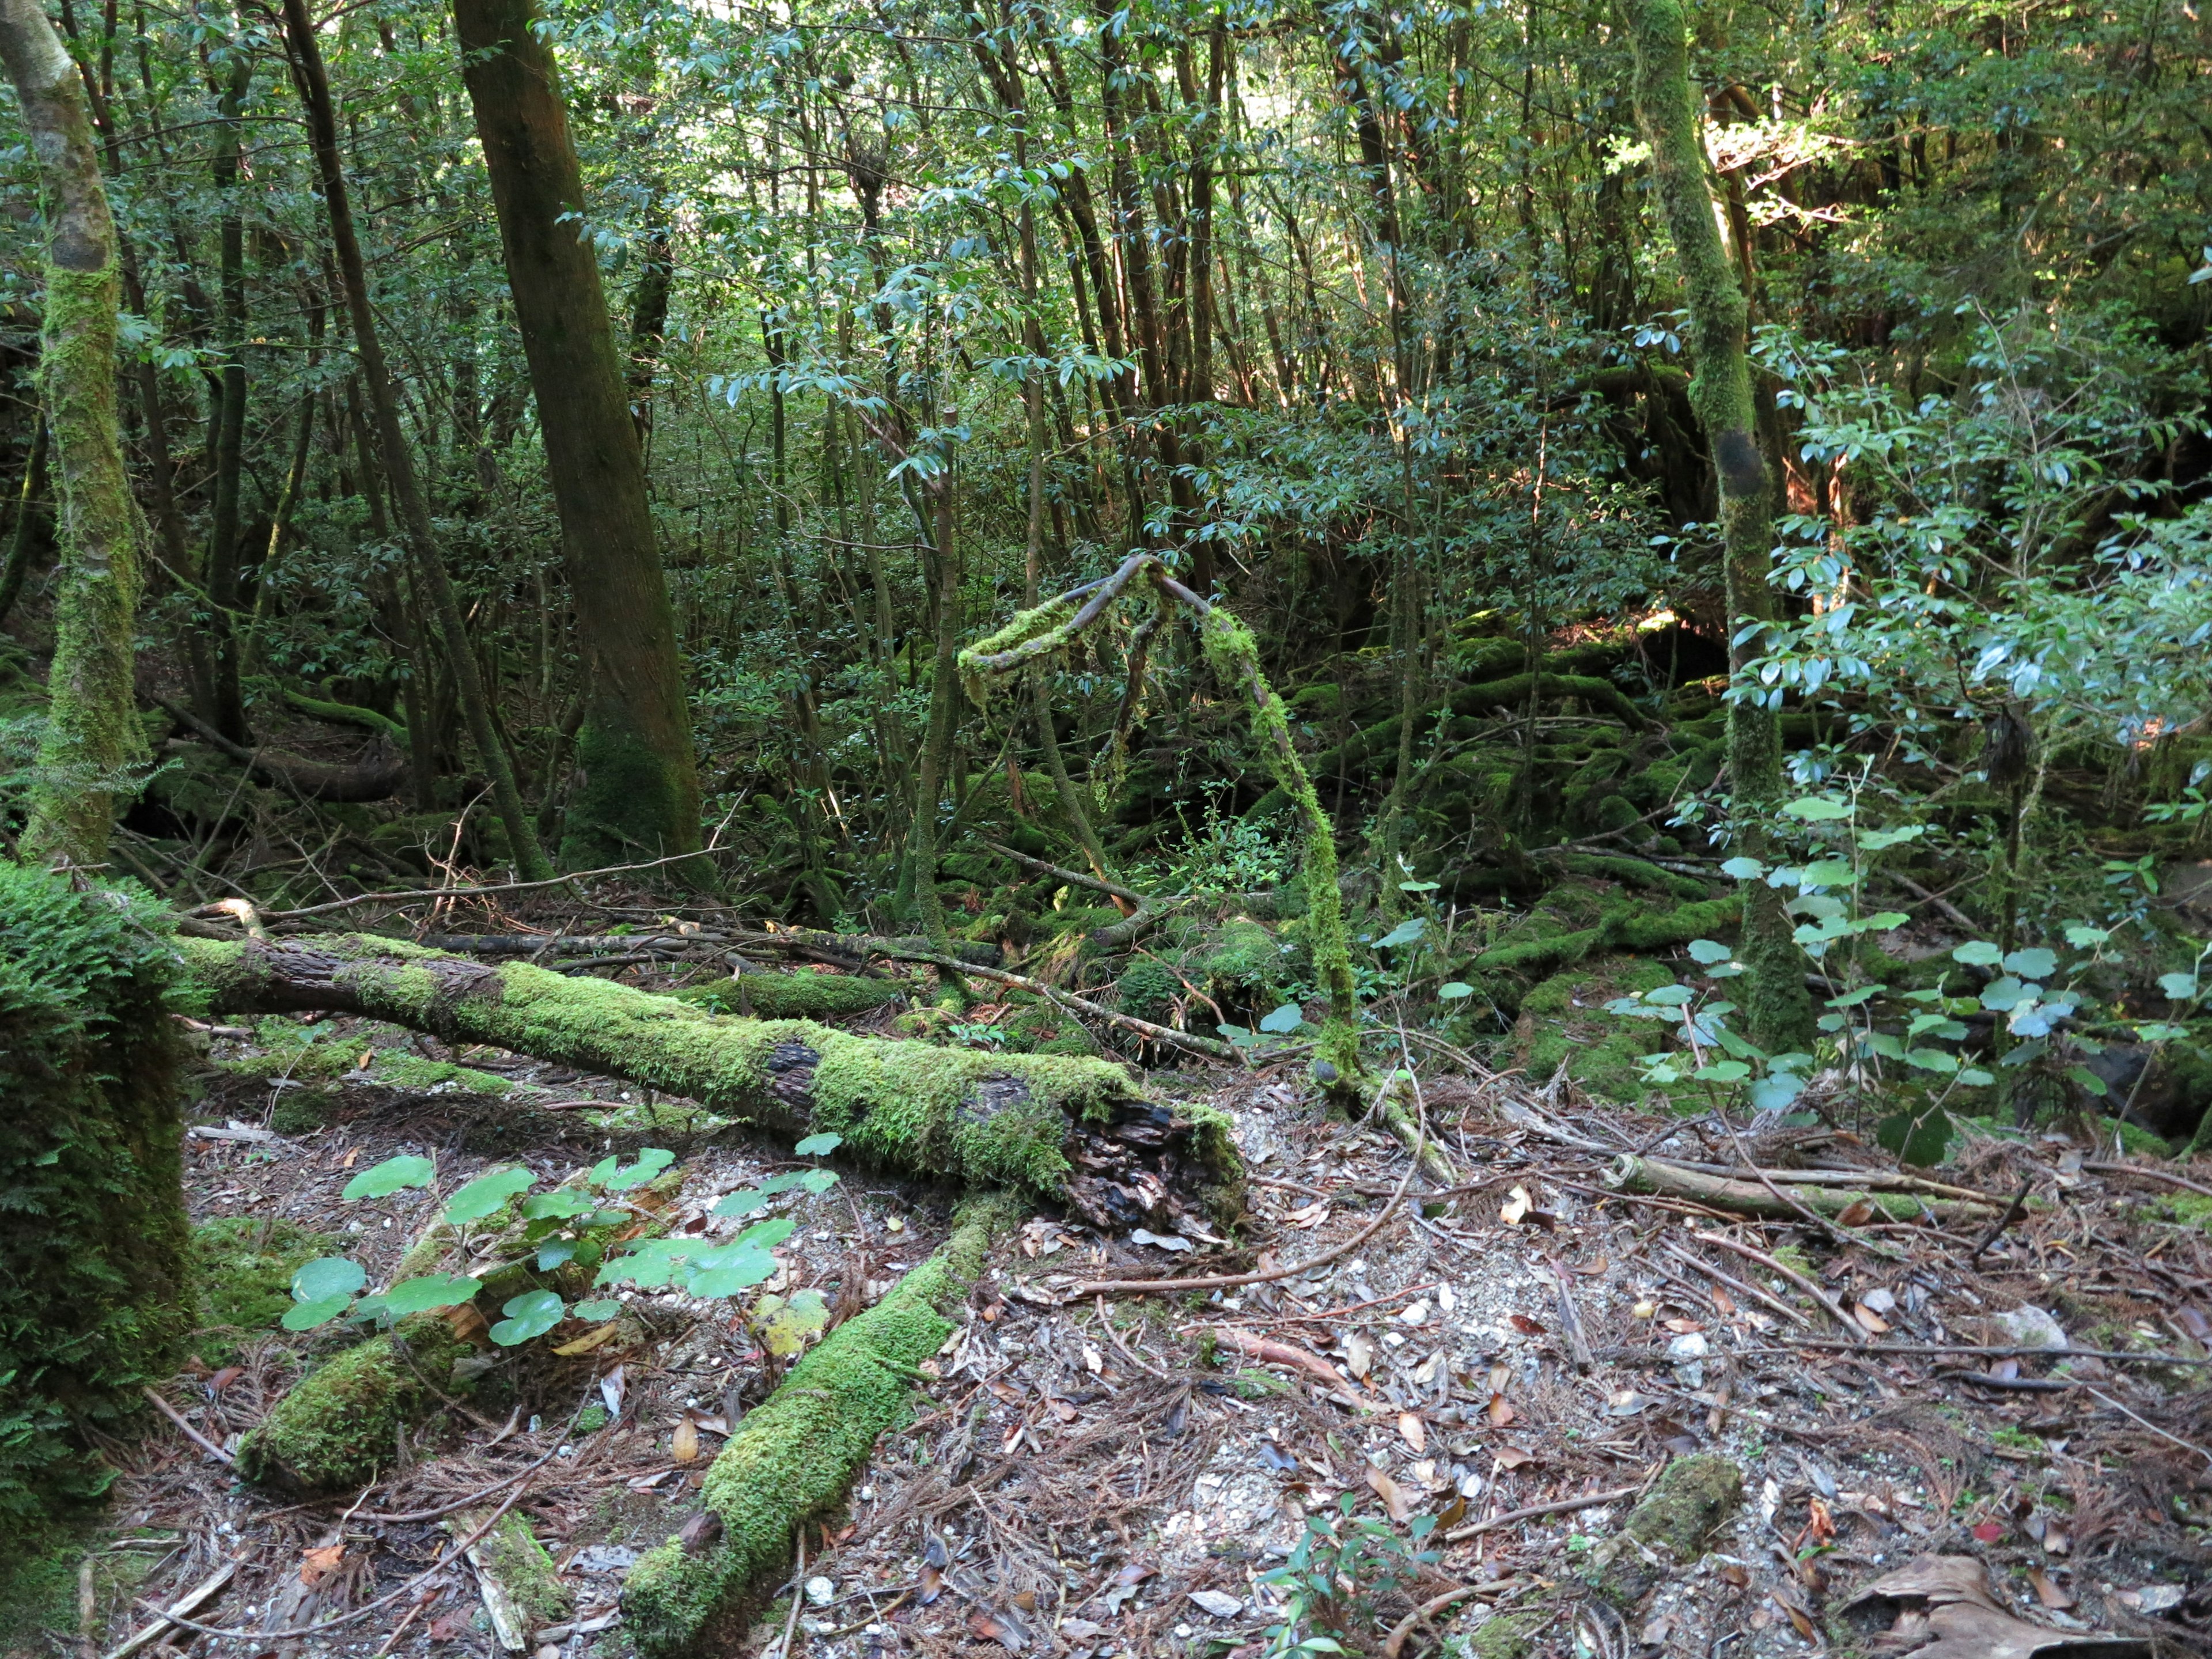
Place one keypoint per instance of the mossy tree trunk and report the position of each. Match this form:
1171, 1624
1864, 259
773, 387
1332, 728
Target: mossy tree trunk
1779, 1011
1069, 1129
92, 737
399, 476
93, 1235
637, 785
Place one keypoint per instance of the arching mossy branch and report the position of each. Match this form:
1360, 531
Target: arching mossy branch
1235, 659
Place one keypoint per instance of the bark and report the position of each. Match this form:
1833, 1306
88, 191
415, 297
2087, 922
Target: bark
637, 790
24, 540
392, 449
1778, 1011
1072, 1130
225, 705
92, 738
1752, 1198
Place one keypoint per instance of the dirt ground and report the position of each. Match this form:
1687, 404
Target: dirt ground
1118, 1476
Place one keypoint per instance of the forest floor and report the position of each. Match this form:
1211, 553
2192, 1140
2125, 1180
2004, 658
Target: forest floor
1108, 1478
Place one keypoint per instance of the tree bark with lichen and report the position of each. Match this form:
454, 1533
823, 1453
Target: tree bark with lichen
93, 740
1076, 1131
1777, 1008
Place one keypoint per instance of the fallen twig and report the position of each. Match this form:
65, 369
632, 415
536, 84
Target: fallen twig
191, 1602
2182, 1182
1434, 1605
1283, 1353
2012, 1213
1068, 1000
1790, 1273
190, 1433
1535, 1511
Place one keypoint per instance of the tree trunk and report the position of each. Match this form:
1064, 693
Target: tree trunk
1778, 1011
92, 737
227, 708
637, 789
392, 443
25, 538
1052, 1127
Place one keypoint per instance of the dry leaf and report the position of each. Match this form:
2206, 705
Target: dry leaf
1358, 1355
684, 1446
1874, 1322
1501, 1411
1856, 1214
1395, 1498
1735, 1575
1723, 1302
317, 1564
1518, 1204
1525, 1325
1061, 1409
589, 1340
1417, 1437
1512, 1457
1310, 1215
1683, 1327
2048, 1590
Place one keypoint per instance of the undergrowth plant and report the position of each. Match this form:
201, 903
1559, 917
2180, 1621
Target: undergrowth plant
1334, 1574
591, 1227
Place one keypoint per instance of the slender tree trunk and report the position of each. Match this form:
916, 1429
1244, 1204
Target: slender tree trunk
944, 714
391, 444
637, 786
1779, 1012
227, 708
30, 517
92, 737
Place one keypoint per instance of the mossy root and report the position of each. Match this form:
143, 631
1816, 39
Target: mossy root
792, 1459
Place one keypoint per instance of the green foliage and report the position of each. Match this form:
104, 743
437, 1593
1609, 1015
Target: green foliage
1329, 1584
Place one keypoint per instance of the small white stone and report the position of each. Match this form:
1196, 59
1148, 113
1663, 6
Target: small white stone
821, 1592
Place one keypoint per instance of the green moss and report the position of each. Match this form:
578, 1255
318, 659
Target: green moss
518, 1562
340, 1424
1147, 989
792, 1459
1564, 1018
1244, 962
1693, 1497
1626, 926
1501, 1636
802, 994
95, 1261
244, 1267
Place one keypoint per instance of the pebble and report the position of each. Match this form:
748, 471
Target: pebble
821, 1592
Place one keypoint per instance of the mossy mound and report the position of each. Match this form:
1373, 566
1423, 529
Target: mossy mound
518, 1563
94, 1267
244, 1267
1147, 989
340, 1424
1671, 1525
1564, 1020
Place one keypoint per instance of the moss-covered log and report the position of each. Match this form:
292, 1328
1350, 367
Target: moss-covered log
791, 1460
1059, 1128
1630, 927
1748, 1195
339, 1424
94, 1241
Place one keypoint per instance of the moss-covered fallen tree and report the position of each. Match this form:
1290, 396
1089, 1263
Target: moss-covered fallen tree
792, 1459
1629, 927
1073, 1130
338, 1426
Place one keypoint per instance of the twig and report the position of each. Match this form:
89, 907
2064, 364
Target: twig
435, 895
405, 1625
1068, 1000
1790, 1273
1835, 1233
1570, 1322
2145, 1422
2012, 1213
1283, 1353
1434, 1605
797, 1597
191, 1602
1737, 1285
190, 1433
1875, 1349
2150, 1174
1230, 1281
1095, 883
1558, 1506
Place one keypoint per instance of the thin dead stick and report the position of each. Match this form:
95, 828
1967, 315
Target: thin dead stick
1255, 1346
1790, 1273
2186, 1445
190, 1433
2012, 1213
1534, 1511
798, 1577
435, 894
1836, 1234
1097, 884
1428, 1610
1877, 1348
473, 1498
191, 1602
2150, 1174
1738, 1286
1230, 1281
401, 1629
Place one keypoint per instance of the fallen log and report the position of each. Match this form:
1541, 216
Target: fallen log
377, 778
792, 1459
1074, 1130
1655, 1179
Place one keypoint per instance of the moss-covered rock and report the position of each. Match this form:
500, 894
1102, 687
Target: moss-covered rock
1670, 1527
244, 1267
95, 1257
791, 1460
1564, 1020
340, 1424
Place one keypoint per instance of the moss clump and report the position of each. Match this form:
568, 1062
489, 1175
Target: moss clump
1631, 925
792, 1459
1147, 990
1245, 962
1563, 1019
515, 1561
802, 994
340, 1424
95, 1263
1501, 1636
1694, 1496
243, 1265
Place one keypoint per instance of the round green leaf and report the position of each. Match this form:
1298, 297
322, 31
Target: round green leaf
598, 1308
1818, 808
560, 1205
611, 1176
1287, 1018
306, 1315
2036, 963
772, 1232
728, 1274
1455, 992
819, 1145
413, 1296
1977, 953
389, 1176
531, 1313
743, 1203
328, 1276
486, 1194
1743, 869
818, 1181
1709, 951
